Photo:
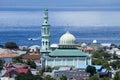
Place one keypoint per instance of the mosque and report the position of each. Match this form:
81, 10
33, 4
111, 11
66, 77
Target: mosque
66, 54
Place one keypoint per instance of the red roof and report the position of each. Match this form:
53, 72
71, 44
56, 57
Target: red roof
33, 57
88, 48
18, 70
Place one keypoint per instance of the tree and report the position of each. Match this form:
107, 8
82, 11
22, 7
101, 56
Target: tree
48, 69
22, 76
18, 59
31, 63
37, 77
97, 54
105, 78
11, 45
101, 62
93, 78
117, 76
63, 77
91, 70
115, 64
115, 55
48, 77
100, 54
1, 64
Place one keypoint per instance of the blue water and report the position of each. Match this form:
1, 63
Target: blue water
20, 35
18, 26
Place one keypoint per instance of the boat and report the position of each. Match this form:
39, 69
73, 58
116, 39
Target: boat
33, 38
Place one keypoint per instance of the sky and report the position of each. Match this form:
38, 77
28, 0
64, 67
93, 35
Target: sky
108, 15
59, 3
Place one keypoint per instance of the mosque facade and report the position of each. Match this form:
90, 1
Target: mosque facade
66, 54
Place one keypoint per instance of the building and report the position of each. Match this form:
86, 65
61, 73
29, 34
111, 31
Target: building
72, 74
66, 54
13, 72
84, 47
7, 55
101, 71
34, 57
34, 48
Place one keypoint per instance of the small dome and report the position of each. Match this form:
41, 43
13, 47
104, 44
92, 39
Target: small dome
83, 44
67, 39
94, 41
54, 45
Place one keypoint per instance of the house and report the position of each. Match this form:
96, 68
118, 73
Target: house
34, 48
17, 65
32, 56
101, 71
7, 55
72, 74
13, 72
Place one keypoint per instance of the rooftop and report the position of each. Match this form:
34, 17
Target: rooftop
7, 53
88, 48
18, 70
68, 52
33, 57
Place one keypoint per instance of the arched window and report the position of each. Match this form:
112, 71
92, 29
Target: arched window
43, 42
46, 42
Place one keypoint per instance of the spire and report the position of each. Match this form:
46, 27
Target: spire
45, 17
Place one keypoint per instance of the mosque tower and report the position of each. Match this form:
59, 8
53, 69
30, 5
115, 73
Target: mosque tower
45, 33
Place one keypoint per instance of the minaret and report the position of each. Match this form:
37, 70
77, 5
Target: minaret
45, 32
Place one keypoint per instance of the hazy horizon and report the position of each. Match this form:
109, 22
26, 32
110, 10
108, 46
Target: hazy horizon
61, 13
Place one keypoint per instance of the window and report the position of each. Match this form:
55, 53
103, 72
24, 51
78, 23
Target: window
46, 42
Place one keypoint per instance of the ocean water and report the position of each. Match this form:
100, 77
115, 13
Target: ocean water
21, 35
19, 26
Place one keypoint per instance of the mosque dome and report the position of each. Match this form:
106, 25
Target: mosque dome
83, 45
94, 41
67, 39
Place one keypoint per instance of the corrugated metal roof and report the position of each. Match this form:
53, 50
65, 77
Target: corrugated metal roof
68, 52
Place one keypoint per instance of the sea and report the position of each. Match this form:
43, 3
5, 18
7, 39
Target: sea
21, 26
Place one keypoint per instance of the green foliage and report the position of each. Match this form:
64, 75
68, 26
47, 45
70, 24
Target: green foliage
93, 78
102, 62
11, 45
63, 77
105, 78
115, 64
100, 54
23, 76
91, 70
48, 69
37, 77
117, 76
97, 54
18, 59
1, 64
31, 63
48, 77
115, 56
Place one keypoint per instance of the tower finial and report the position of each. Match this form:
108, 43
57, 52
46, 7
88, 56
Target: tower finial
46, 9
